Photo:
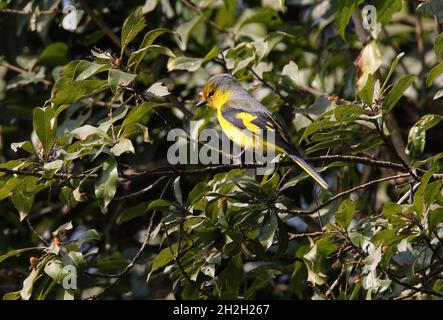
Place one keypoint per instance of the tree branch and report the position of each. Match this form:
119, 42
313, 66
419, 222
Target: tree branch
30, 12
344, 193
20, 70
103, 26
131, 264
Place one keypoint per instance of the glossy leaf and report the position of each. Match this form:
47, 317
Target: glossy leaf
106, 185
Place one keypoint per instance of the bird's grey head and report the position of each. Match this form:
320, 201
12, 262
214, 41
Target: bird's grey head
214, 92
223, 81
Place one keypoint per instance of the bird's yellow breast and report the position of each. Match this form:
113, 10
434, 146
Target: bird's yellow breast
233, 133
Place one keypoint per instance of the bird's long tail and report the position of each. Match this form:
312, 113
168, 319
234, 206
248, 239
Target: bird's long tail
309, 170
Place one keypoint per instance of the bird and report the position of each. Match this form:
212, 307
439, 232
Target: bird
244, 120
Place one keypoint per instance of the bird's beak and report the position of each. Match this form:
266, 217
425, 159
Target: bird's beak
200, 103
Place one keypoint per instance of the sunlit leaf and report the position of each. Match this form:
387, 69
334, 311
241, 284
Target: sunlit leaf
45, 126
343, 15
106, 184
118, 79
131, 27
397, 91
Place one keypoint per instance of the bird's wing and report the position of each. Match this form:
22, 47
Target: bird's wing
257, 122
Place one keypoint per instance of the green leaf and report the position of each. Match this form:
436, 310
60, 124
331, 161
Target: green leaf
345, 213
214, 52
438, 45
45, 126
343, 15
435, 217
267, 229
158, 89
66, 91
158, 204
184, 63
386, 8
283, 238
86, 69
258, 283
198, 192
137, 56
16, 294
434, 73
417, 134
131, 27
184, 30
23, 200
164, 257
55, 270
53, 165
438, 94
291, 72
419, 195
63, 227
123, 145
88, 236
141, 113
396, 92
25, 145
178, 190
230, 280
17, 252
67, 197
106, 184
54, 54
28, 284
269, 186
392, 69
77, 259
87, 130
392, 210
132, 213
152, 35
265, 15
366, 94
117, 78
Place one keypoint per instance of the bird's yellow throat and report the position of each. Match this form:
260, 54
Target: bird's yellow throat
219, 99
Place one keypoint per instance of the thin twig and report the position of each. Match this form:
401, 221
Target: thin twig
39, 174
103, 26
336, 282
30, 12
174, 170
11, 67
344, 193
140, 192
36, 233
199, 11
422, 290
131, 264
408, 194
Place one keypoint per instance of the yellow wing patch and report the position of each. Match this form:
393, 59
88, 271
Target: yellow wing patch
247, 119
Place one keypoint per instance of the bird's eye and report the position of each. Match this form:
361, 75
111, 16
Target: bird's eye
211, 92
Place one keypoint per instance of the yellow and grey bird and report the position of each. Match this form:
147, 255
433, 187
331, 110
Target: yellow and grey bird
244, 120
